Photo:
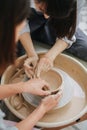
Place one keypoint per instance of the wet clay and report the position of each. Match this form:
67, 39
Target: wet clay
53, 78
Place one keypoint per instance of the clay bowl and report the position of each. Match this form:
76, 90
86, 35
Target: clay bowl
54, 79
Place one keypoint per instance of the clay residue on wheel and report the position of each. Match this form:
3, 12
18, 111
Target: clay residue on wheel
18, 76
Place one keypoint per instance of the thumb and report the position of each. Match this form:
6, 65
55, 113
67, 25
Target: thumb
45, 93
58, 95
38, 72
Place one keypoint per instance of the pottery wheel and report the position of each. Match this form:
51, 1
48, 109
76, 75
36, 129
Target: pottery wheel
70, 112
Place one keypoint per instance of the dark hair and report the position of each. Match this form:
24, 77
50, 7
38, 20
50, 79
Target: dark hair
12, 13
63, 15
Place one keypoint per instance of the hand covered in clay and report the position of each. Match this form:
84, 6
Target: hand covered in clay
51, 101
44, 64
29, 65
36, 86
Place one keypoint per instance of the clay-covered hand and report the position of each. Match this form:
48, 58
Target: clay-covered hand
51, 101
44, 64
36, 86
29, 65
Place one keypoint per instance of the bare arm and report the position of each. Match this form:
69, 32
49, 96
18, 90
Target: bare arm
10, 89
59, 46
27, 43
32, 119
47, 104
33, 86
32, 59
46, 62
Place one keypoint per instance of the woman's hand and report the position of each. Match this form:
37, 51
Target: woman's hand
35, 86
44, 64
50, 101
29, 65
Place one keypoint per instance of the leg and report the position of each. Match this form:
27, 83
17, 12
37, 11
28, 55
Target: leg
79, 48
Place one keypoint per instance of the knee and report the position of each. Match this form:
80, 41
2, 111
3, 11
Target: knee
82, 52
79, 50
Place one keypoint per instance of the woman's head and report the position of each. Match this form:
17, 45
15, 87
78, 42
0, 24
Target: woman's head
12, 16
62, 15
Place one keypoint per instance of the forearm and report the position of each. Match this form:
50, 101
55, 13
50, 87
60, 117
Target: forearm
27, 43
10, 89
32, 119
59, 46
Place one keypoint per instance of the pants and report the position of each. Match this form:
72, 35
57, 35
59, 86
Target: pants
79, 48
